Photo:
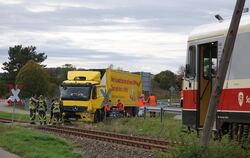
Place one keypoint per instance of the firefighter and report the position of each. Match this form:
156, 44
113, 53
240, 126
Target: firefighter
141, 101
51, 112
120, 107
56, 110
33, 107
42, 108
152, 102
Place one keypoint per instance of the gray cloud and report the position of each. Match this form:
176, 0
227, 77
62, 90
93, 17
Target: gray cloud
57, 28
161, 14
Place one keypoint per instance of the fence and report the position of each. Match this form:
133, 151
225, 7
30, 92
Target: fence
168, 103
24, 104
161, 110
3, 101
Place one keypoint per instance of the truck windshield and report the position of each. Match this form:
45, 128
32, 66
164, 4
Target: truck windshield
75, 93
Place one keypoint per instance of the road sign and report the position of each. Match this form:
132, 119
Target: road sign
172, 89
15, 96
106, 96
15, 91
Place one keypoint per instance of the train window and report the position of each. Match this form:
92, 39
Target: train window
191, 62
210, 61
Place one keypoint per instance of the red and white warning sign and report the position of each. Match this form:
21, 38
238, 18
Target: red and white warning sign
15, 91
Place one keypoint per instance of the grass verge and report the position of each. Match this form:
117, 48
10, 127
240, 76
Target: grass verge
224, 148
170, 128
16, 116
151, 127
30, 144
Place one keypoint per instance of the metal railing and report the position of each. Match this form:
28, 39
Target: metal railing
157, 109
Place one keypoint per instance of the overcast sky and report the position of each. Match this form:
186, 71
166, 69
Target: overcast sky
136, 35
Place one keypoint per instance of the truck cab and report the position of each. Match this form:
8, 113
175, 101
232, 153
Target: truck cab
81, 97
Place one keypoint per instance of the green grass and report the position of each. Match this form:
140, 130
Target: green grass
34, 144
21, 117
151, 127
16, 116
170, 128
225, 148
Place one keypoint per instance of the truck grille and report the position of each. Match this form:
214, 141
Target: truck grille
74, 108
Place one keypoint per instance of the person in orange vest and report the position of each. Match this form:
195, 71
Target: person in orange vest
120, 107
141, 103
152, 102
107, 109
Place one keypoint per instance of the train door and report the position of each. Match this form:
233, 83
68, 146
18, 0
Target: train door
208, 63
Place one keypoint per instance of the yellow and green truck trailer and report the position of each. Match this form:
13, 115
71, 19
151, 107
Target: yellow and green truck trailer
82, 98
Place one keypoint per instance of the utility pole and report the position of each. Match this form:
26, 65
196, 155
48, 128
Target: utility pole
222, 71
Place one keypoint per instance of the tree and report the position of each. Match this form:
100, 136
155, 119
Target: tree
166, 79
34, 78
53, 90
68, 66
59, 74
18, 57
180, 75
3, 88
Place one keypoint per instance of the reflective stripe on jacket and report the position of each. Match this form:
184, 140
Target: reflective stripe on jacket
41, 105
32, 105
56, 108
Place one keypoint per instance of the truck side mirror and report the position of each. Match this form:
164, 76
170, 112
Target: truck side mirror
94, 92
63, 87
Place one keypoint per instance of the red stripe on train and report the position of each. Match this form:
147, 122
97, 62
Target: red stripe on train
189, 99
231, 99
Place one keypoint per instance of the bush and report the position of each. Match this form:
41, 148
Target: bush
34, 79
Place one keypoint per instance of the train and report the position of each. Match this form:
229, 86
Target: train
204, 48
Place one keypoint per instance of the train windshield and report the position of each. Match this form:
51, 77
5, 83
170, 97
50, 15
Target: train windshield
75, 93
191, 62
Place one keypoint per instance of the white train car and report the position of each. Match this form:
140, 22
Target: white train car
205, 46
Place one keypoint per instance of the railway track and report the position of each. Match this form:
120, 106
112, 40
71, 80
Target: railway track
140, 142
4, 120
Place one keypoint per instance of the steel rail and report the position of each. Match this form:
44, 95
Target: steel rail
122, 136
128, 140
123, 141
5, 120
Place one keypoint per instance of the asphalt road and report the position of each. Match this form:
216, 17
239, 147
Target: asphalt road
6, 154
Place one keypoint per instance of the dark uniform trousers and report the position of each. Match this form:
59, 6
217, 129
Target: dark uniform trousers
32, 115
